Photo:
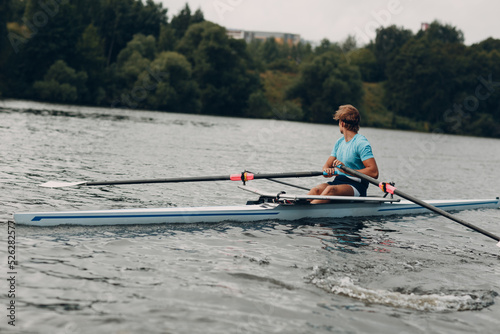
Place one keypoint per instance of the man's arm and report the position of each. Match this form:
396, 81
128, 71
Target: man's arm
370, 169
328, 167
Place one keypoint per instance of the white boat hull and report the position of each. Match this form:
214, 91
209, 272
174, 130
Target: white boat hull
243, 213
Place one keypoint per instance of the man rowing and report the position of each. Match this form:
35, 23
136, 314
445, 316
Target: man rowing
352, 150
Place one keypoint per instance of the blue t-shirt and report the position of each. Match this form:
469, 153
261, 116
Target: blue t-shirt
353, 152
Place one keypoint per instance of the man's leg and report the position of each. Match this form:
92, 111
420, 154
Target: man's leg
337, 190
318, 189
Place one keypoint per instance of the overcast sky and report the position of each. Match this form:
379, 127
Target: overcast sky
336, 19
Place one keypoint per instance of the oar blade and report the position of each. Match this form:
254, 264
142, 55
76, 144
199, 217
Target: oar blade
59, 184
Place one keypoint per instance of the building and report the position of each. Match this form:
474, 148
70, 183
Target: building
279, 37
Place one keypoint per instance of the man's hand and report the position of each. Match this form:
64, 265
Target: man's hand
337, 162
329, 167
329, 172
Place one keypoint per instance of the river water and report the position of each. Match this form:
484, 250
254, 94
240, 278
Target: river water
418, 274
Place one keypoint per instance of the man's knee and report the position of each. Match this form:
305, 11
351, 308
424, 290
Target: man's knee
330, 190
318, 189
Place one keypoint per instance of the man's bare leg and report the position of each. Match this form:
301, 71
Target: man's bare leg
318, 189
336, 190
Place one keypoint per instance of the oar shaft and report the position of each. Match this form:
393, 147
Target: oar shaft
446, 214
289, 184
245, 176
391, 189
169, 180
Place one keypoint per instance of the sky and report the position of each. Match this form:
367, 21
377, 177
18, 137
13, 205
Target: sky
336, 19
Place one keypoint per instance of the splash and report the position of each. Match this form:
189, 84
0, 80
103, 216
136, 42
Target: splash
432, 302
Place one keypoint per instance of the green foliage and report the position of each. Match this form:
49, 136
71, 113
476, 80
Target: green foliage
167, 40
488, 45
435, 78
13, 10
90, 48
172, 87
145, 46
125, 53
288, 110
120, 20
259, 106
61, 84
91, 58
284, 65
373, 110
437, 32
484, 125
422, 80
270, 55
327, 46
135, 58
270, 50
367, 63
349, 44
271, 101
388, 43
326, 83
181, 22
220, 68
5, 13
56, 39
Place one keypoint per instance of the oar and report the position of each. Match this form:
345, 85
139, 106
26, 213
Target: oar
289, 184
245, 176
388, 188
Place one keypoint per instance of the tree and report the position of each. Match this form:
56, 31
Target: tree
424, 78
301, 52
90, 55
131, 62
5, 12
488, 45
171, 83
327, 46
388, 43
53, 34
61, 84
270, 50
479, 94
220, 66
167, 40
181, 22
13, 9
143, 45
349, 44
119, 20
367, 62
444, 33
324, 84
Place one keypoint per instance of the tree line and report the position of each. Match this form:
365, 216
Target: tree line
130, 54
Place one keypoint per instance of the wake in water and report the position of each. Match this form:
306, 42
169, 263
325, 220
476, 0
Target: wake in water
429, 302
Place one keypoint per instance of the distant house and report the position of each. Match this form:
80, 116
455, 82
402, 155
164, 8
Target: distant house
279, 37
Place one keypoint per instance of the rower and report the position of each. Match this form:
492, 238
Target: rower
352, 150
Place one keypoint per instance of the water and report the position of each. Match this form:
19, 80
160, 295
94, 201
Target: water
418, 274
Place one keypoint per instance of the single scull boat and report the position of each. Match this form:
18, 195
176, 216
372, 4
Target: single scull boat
268, 207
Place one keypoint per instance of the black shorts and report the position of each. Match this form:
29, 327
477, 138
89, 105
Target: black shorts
361, 185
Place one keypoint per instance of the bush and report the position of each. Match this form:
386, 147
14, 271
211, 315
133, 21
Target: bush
61, 84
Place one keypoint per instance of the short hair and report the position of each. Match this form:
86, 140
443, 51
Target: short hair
349, 115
